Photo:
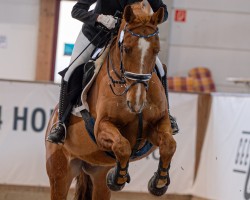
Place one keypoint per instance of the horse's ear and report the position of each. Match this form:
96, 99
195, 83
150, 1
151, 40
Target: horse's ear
129, 15
158, 16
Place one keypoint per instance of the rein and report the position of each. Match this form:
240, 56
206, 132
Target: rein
136, 77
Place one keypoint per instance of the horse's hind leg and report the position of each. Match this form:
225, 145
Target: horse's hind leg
163, 138
98, 178
84, 187
110, 139
61, 171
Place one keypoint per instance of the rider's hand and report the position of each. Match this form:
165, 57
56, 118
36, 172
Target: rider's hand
107, 20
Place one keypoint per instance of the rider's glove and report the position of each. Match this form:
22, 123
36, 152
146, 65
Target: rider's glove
107, 20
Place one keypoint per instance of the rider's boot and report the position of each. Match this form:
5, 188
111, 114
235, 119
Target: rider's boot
174, 125
57, 134
173, 122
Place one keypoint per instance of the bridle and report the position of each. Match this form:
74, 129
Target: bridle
124, 74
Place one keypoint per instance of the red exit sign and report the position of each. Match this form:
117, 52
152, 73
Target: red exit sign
180, 15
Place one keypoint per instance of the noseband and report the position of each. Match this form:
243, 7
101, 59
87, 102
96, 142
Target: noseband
124, 75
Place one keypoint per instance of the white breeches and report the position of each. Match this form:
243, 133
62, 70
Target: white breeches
80, 44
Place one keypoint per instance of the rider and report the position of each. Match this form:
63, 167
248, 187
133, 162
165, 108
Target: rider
102, 14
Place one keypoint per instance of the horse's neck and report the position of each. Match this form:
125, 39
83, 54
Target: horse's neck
102, 77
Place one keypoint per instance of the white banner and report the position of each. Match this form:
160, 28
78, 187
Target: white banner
24, 113
224, 167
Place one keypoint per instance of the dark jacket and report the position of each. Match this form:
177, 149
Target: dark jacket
106, 7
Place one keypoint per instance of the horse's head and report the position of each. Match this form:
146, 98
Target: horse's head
139, 45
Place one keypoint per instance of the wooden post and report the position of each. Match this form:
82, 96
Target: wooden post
47, 39
204, 106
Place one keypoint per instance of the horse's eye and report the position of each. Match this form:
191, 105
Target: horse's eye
127, 49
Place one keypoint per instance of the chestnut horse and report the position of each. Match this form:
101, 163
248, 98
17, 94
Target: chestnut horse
130, 108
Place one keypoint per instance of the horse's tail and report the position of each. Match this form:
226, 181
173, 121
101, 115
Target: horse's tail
83, 190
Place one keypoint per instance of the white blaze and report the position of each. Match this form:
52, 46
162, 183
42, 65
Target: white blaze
143, 45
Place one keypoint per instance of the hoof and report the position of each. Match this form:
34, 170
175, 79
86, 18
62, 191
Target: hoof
111, 183
153, 189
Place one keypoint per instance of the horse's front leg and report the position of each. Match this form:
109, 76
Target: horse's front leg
109, 138
163, 138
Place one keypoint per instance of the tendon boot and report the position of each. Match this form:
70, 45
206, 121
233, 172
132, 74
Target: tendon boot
58, 132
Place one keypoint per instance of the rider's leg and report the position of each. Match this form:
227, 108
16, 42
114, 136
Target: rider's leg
163, 74
58, 132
